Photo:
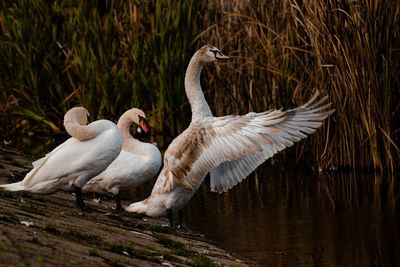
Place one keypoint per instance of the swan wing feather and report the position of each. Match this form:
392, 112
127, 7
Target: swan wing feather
233, 146
297, 124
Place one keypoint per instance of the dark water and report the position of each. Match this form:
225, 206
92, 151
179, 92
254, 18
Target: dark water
287, 218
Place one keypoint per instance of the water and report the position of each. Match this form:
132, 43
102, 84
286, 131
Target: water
281, 218
285, 217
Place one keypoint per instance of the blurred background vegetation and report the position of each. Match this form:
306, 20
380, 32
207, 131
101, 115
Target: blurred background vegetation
109, 56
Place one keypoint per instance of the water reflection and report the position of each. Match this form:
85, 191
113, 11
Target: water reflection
282, 217
278, 218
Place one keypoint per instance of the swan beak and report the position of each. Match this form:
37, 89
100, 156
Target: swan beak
144, 125
220, 56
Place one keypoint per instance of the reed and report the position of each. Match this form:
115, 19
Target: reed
107, 56
112, 55
287, 49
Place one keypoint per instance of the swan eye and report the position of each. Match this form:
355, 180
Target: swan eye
214, 51
143, 124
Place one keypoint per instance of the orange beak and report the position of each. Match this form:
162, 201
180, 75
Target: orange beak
143, 124
219, 56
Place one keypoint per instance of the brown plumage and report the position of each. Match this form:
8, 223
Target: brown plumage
229, 147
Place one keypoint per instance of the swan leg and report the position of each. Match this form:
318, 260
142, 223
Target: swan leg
180, 215
181, 226
118, 206
79, 203
170, 215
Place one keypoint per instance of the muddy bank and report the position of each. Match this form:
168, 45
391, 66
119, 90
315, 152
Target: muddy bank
38, 230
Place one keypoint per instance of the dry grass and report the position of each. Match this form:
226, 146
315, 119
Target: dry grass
112, 55
284, 50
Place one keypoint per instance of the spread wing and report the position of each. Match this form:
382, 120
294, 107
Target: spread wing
297, 124
232, 147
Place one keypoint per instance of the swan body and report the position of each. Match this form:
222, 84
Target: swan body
137, 162
70, 165
229, 147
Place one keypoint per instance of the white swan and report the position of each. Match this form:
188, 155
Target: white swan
69, 166
137, 163
229, 147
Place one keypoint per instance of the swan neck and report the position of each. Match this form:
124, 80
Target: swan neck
79, 131
125, 124
194, 93
131, 144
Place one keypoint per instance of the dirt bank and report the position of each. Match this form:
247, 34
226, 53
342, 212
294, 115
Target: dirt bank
38, 230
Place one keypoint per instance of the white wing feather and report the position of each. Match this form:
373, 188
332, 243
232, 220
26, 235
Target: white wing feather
232, 147
298, 123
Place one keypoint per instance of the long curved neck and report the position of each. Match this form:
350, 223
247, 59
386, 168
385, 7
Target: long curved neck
125, 124
194, 93
131, 144
79, 131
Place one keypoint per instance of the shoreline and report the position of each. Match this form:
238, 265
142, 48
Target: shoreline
47, 230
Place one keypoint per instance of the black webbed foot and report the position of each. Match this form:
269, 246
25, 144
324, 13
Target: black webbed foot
79, 203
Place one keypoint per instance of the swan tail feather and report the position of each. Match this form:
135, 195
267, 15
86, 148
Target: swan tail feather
13, 187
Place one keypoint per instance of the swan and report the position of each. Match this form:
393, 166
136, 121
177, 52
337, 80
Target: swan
70, 165
137, 163
229, 147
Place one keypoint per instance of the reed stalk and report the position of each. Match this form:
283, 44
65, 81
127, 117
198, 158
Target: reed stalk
112, 55
287, 49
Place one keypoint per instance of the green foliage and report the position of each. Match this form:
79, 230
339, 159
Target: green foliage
8, 217
202, 261
107, 56
9, 194
177, 247
70, 233
112, 55
122, 247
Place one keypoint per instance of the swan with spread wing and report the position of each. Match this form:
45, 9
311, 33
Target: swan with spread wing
229, 148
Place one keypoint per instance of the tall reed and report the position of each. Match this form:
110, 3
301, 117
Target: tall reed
111, 55
107, 55
287, 49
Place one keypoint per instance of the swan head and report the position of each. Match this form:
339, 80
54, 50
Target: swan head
209, 53
76, 114
137, 116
